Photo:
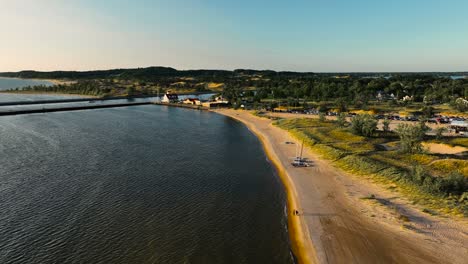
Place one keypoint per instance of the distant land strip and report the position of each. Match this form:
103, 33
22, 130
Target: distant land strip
156, 72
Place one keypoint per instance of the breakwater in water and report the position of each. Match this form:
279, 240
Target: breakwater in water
69, 108
90, 99
93, 106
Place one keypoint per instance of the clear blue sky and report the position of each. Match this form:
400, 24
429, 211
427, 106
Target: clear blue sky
298, 35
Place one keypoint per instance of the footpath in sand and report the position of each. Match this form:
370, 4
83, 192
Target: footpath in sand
335, 226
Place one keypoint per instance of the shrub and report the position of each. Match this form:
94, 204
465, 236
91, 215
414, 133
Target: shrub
455, 183
439, 131
386, 125
418, 174
321, 117
323, 108
131, 91
341, 104
341, 119
432, 185
428, 111
364, 125
411, 137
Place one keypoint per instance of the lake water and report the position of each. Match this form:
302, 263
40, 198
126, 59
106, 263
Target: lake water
143, 184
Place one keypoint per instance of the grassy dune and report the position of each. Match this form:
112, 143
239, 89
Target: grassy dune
428, 180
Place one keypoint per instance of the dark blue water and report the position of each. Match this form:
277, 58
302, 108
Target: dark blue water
146, 184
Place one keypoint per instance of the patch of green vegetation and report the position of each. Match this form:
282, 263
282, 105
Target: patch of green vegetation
458, 142
447, 166
421, 159
263, 114
416, 176
390, 159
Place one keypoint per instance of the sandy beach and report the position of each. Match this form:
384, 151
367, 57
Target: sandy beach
58, 81
335, 225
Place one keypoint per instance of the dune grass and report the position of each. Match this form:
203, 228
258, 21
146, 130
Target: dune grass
448, 166
424, 178
463, 142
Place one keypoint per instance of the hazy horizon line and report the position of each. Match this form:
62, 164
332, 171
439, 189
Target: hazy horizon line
226, 69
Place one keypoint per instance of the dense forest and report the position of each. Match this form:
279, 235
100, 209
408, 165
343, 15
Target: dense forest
341, 88
356, 90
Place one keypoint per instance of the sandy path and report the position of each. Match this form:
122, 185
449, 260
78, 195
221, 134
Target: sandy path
444, 148
345, 229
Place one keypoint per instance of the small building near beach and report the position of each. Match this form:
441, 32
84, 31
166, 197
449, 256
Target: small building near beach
192, 101
214, 104
170, 97
219, 101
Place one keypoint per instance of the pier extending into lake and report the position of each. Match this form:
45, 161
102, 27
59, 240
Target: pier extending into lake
74, 104
69, 108
91, 99
93, 106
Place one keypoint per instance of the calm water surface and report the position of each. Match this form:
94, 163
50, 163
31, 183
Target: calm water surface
146, 184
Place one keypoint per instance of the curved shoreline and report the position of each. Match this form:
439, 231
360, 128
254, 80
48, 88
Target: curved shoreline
335, 225
301, 243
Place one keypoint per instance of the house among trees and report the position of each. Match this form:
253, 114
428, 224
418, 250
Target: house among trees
170, 97
383, 96
221, 99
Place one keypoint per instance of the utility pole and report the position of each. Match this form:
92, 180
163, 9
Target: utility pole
302, 148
